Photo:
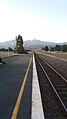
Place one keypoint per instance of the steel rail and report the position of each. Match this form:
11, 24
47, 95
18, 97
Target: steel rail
65, 108
54, 70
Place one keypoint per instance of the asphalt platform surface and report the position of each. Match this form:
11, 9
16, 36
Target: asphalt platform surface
11, 78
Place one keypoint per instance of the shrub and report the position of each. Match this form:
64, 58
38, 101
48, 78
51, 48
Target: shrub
0, 60
64, 48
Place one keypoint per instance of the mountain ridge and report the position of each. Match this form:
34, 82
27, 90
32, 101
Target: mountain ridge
30, 44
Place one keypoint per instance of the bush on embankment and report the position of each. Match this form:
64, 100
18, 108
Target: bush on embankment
0, 60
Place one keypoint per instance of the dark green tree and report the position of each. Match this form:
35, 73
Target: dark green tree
19, 45
64, 48
46, 48
57, 48
10, 49
52, 48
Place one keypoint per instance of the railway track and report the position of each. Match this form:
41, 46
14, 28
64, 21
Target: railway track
56, 80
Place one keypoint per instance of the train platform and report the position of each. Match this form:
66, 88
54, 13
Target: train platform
20, 94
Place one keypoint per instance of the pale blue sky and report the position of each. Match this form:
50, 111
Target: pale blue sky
34, 19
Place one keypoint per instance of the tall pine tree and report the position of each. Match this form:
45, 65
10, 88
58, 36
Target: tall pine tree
19, 45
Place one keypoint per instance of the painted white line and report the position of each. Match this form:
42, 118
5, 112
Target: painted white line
37, 109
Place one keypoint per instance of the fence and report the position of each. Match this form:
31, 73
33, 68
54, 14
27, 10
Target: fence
6, 53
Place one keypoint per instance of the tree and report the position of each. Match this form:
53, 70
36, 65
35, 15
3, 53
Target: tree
19, 45
10, 49
64, 48
57, 48
46, 48
52, 48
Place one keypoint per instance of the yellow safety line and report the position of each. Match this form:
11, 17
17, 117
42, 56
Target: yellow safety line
17, 105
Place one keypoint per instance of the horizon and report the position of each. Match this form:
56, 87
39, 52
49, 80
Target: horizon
44, 20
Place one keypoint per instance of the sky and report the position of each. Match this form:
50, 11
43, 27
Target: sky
44, 20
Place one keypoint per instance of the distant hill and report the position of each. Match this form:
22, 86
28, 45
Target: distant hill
30, 44
7, 44
37, 44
